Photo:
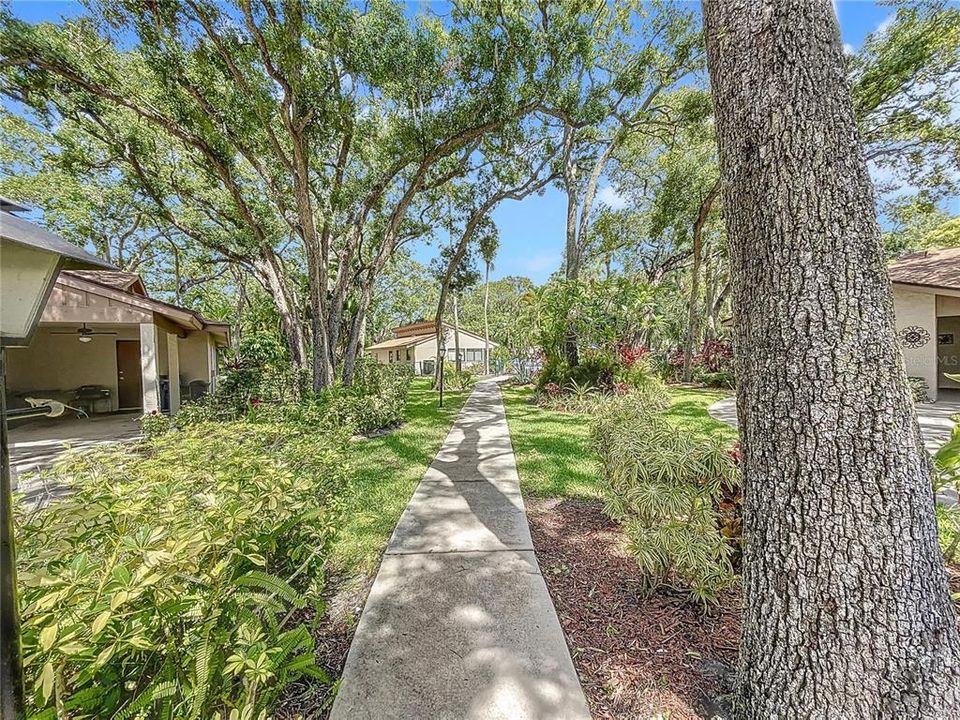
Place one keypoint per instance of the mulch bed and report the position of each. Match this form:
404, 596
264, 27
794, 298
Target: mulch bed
332, 635
637, 657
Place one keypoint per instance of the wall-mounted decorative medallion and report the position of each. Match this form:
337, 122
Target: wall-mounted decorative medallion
914, 336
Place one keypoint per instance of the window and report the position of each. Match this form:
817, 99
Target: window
391, 356
408, 354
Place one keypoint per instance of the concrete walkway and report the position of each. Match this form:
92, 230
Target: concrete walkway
459, 623
935, 419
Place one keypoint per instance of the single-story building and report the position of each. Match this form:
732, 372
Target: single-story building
926, 297
416, 345
104, 344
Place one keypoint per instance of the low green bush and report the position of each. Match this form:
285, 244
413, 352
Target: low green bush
169, 582
596, 369
376, 399
154, 424
457, 379
666, 488
946, 476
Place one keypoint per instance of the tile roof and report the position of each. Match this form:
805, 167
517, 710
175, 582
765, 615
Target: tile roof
933, 268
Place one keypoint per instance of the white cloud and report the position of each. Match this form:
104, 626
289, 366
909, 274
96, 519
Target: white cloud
849, 49
543, 262
611, 198
885, 25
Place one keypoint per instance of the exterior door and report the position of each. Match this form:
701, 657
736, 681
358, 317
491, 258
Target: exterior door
129, 378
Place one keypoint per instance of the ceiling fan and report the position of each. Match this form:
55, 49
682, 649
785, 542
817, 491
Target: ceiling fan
84, 334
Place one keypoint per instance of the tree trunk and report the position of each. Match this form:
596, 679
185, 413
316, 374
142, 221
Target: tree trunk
456, 333
710, 296
571, 246
847, 610
486, 320
269, 274
691, 333
357, 331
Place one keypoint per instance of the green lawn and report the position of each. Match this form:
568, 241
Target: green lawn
385, 472
553, 448
688, 411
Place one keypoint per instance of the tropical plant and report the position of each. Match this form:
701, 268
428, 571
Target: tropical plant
665, 488
169, 581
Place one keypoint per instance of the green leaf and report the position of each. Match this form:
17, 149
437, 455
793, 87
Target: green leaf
46, 681
118, 599
48, 636
101, 622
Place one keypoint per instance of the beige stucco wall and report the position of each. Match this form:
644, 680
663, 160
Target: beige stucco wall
72, 305
919, 309
55, 365
428, 351
194, 357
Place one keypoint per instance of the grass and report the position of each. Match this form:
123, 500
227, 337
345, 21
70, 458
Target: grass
688, 411
553, 450
385, 472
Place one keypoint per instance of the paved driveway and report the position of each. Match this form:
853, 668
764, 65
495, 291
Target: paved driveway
36, 443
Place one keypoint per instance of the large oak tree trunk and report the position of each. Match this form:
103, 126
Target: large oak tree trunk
847, 610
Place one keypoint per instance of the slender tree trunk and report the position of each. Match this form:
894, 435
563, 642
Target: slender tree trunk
847, 610
691, 334
486, 320
709, 296
571, 246
357, 331
268, 272
456, 332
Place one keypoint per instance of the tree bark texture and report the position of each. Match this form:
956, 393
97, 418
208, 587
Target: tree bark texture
847, 610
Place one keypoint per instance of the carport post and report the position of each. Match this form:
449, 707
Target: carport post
11, 658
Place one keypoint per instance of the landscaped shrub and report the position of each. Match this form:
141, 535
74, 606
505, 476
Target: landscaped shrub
946, 476
259, 370
457, 379
919, 389
167, 583
154, 424
666, 488
376, 399
711, 366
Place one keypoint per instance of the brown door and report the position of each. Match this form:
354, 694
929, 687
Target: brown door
129, 380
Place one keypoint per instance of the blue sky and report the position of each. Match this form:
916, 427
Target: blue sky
531, 231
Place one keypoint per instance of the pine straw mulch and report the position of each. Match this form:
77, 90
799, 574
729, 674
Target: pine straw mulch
638, 657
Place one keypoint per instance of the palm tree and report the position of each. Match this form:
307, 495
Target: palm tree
489, 244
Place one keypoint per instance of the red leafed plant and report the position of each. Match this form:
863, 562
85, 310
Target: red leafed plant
729, 505
552, 389
631, 355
